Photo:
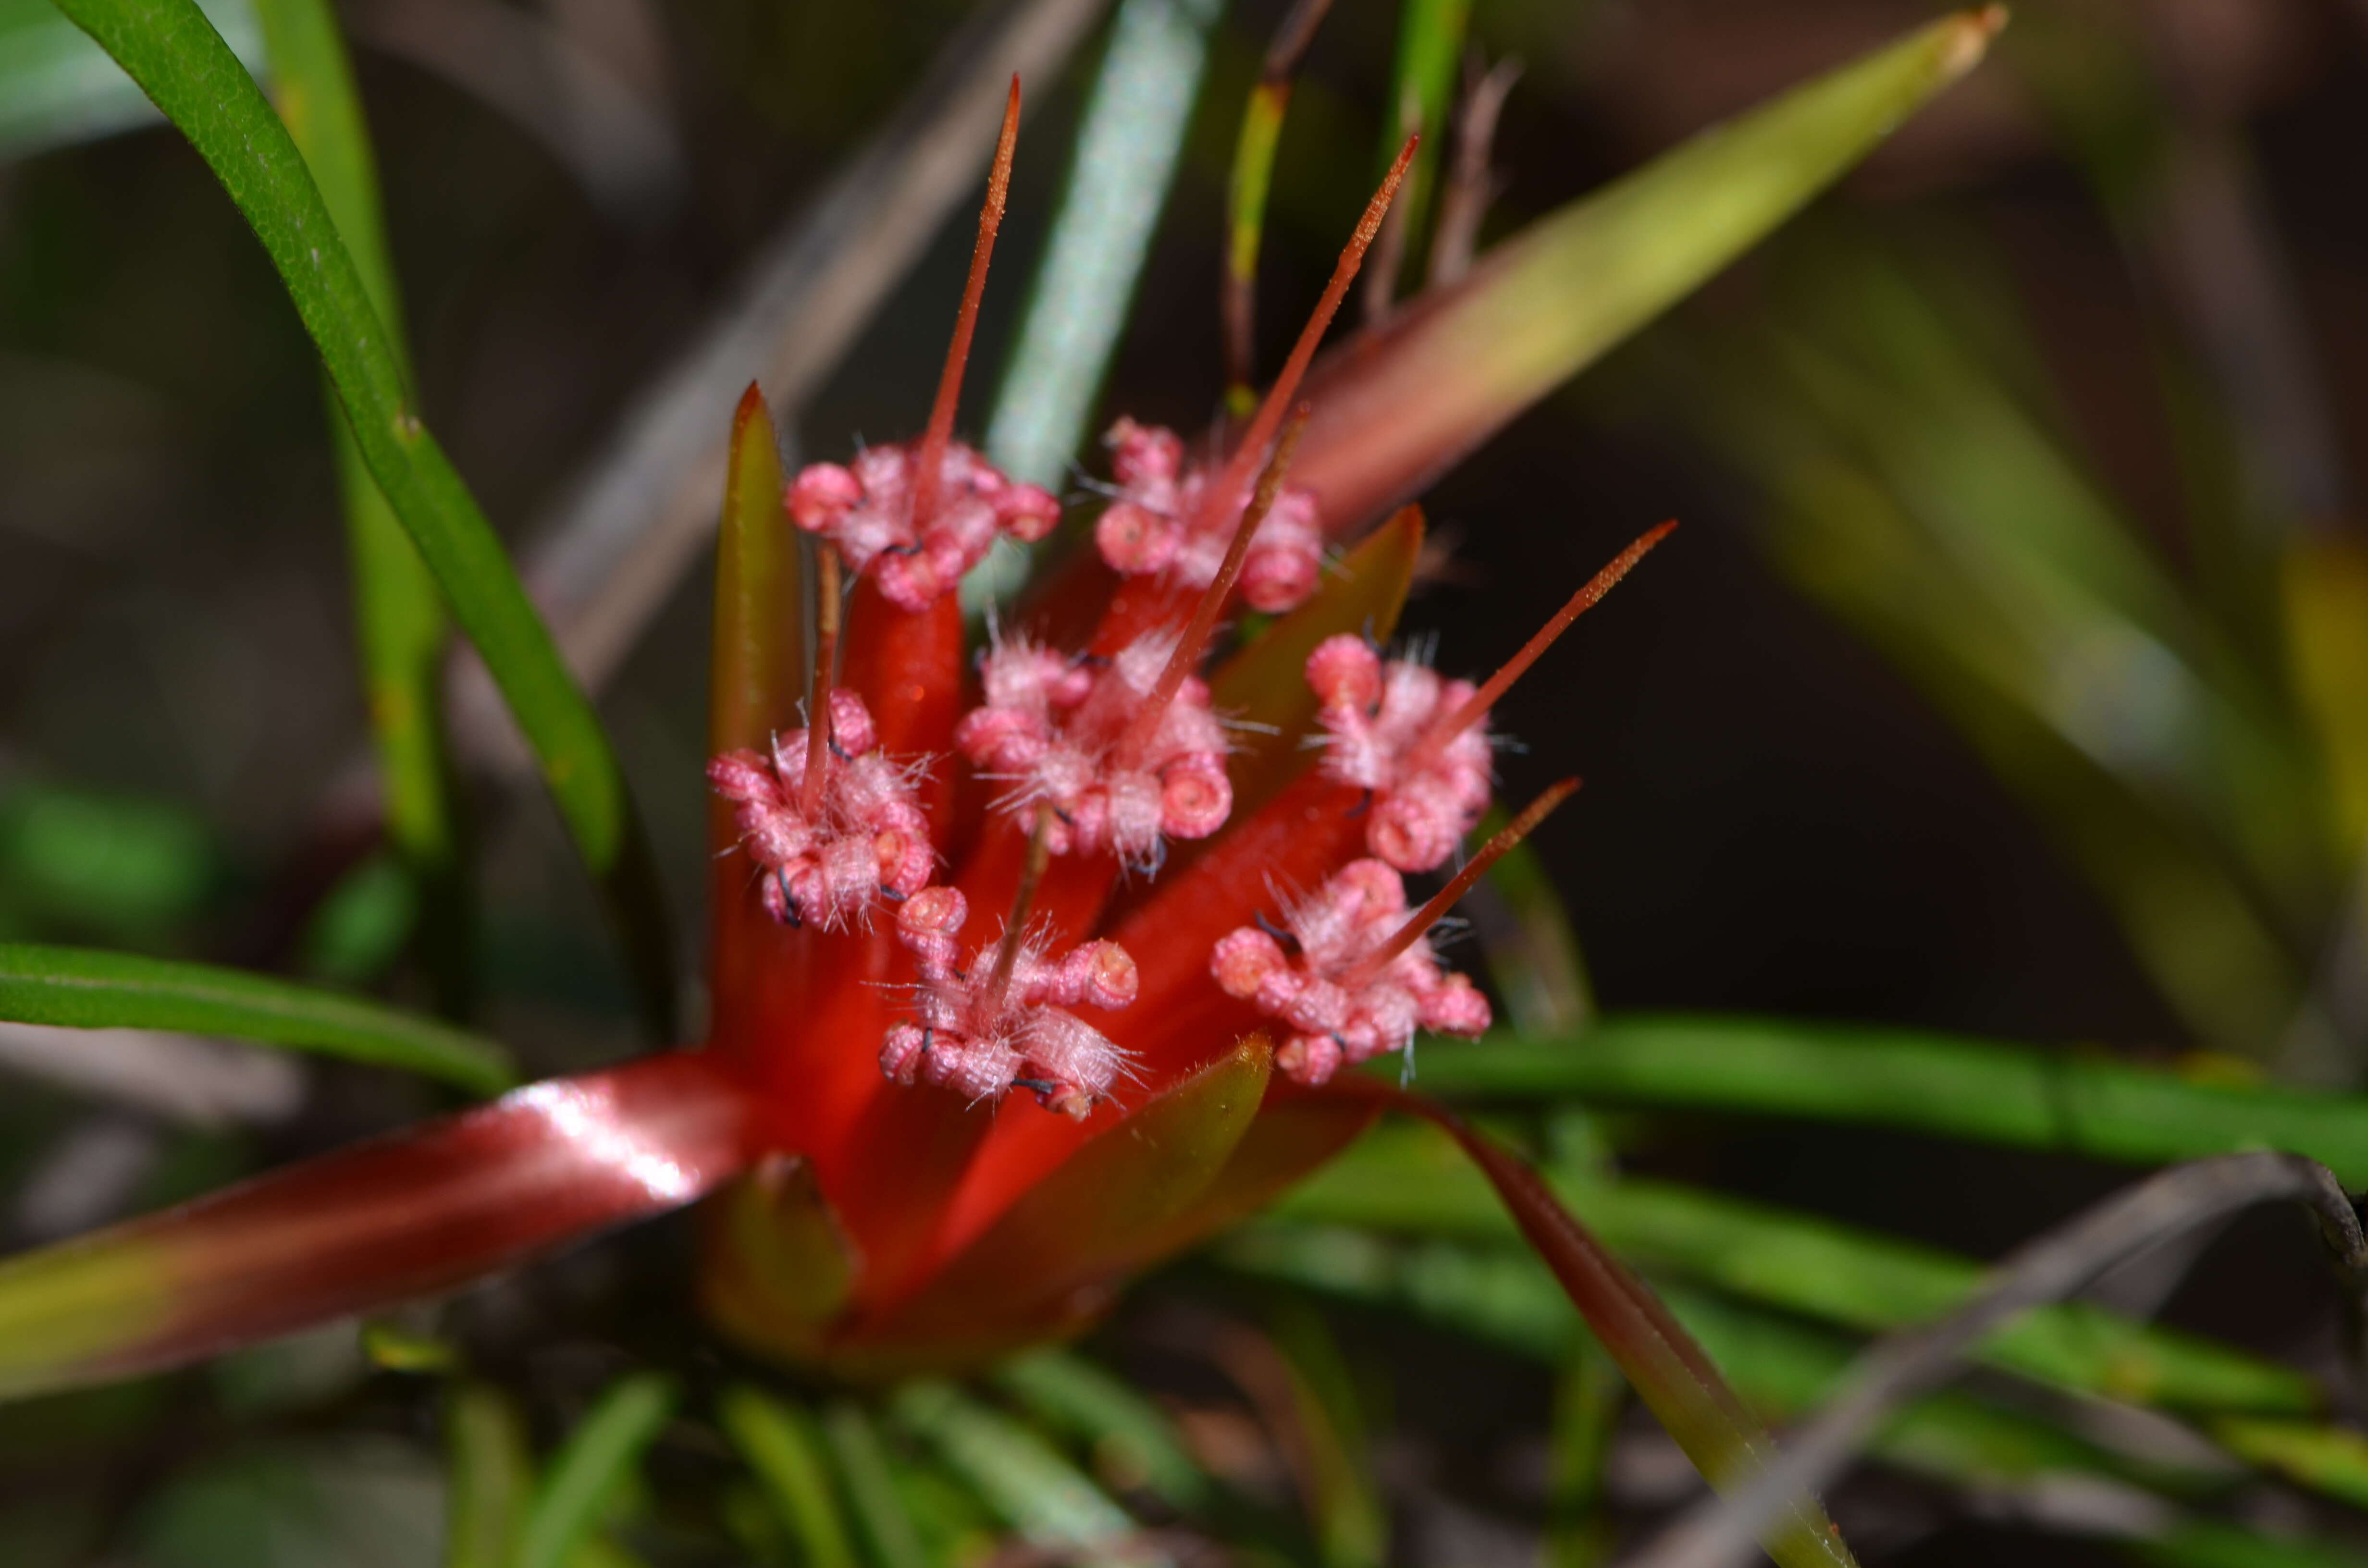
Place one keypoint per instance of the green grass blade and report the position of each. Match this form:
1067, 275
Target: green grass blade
398, 614
890, 1537
1132, 1440
1352, 1529
182, 63
785, 1449
84, 988
1422, 89
1981, 1091
596, 1461
1405, 1179
56, 88
1035, 1491
489, 1475
1590, 1396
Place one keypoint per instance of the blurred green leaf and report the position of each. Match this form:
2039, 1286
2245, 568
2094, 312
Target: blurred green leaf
596, 1463
179, 61
1406, 1178
1590, 1396
398, 613
1134, 1445
82, 988
1951, 1087
881, 1518
1505, 1296
357, 1502
1037, 1492
58, 88
1405, 402
1422, 90
357, 932
1344, 1499
129, 870
2332, 1459
1918, 497
785, 1449
488, 1477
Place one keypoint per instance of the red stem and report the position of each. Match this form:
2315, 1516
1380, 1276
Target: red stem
1442, 901
950, 380
1587, 596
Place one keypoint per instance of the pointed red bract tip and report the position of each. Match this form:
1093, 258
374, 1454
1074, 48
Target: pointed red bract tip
1263, 424
1476, 706
1442, 901
941, 412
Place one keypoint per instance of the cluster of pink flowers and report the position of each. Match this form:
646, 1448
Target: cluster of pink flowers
1345, 1005
828, 854
1004, 1021
1112, 756
866, 511
1157, 524
1058, 729
1386, 730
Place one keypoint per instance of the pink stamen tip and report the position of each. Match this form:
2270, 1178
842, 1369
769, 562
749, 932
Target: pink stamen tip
1375, 716
1431, 912
1338, 1011
870, 513
990, 219
1050, 729
862, 839
978, 1036
1194, 643
1148, 530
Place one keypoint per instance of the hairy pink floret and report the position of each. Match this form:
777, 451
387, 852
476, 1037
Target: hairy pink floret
1339, 1017
866, 508
866, 838
1377, 717
1052, 727
981, 1041
1150, 528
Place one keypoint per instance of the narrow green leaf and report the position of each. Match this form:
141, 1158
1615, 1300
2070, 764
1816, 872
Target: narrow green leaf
488, 1477
2329, 1459
1406, 1178
1422, 90
784, 1447
1401, 405
1035, 1491
1980, 1090
889, 1535
599, 1459
82, 988
58, 88
1506, 1297
398, 614
182, 63
1134, 1444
